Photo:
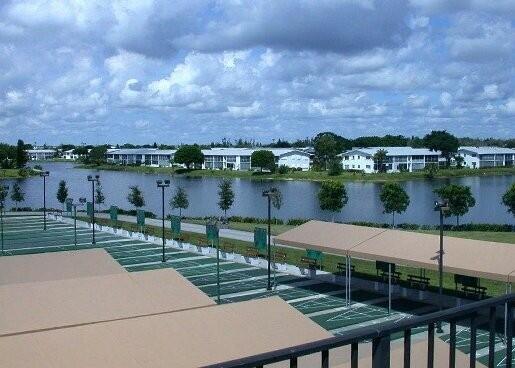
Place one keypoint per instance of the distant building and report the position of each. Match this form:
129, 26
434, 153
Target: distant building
41, 154
141, 156
480, 157
241, 158
397, 159
69, 155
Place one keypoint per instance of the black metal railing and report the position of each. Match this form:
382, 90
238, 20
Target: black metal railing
380, 335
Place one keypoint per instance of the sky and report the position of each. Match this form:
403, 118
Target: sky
183, 71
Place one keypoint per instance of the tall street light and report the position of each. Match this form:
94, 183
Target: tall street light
163, 184
270, 194
93, 180
44, 174
2, 204
82, 200
441, 207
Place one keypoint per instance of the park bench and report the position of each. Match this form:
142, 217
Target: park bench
280, 257
470, 285
251, 252
342, 268
308, 262
383, 269
418, 280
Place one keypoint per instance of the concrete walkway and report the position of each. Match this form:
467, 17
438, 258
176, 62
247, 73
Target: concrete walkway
245, 236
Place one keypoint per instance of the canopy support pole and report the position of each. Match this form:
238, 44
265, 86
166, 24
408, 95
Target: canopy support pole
389, 288
346, 280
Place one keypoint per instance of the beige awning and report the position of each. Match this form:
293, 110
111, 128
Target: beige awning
57, 266
190, 338
52, 304
327, 237
485, 259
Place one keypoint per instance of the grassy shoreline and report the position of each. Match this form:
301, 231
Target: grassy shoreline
308, 175
364, 269
16, 173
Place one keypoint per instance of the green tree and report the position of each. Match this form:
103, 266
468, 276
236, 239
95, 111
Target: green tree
430, 170
326, 149
3, 195
97, 155
62, 192
459, 198
225, 195
189, 155
459, 161
17, 195
440, 140
394, 198
180, 200
21, 154
135, 196
332, 196
508, 199
380, 158
99, 195
264, 159
335, 167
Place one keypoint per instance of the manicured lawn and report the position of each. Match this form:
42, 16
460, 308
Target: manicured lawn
247, 226
364, 269
14, 174
502, 237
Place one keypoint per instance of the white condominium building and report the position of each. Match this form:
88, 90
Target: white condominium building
41, 154
141, 156
480, 157
397, 159
240, 158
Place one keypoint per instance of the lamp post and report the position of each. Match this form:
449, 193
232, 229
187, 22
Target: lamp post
440, 207
269, 194
44, 174
2, 199
93, 180
163, 184
82, 200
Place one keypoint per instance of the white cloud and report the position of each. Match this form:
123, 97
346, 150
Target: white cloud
446, 99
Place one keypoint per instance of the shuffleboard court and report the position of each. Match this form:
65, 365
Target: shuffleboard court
323, 302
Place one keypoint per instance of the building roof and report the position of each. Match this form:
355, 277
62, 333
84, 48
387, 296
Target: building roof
491, 260
393, 151
191, 338
487, 150
230, 151
41, 151
57, 266
59, 303
141, 151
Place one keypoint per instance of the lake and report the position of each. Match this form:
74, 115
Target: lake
299, 197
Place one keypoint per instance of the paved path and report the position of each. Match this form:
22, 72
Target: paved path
193, 228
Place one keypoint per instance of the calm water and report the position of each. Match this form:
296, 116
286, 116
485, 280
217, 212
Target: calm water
299, 197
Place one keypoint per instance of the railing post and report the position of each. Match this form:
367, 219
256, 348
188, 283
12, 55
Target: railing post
407, 348
509, 335
491, 337
325, 359
381, 352
473, 335
354, 355
293, 362
431, 345
452, 345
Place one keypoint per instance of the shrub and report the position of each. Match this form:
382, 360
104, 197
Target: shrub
283, 169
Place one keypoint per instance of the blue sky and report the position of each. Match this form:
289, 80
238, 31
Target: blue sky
180, 71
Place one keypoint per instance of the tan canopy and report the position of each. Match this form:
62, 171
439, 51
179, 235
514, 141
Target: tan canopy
485, 259
190, 338
52, 304
57, 266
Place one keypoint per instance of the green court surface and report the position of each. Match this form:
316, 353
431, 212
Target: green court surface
323, 302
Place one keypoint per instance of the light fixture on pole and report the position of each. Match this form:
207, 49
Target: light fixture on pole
82, 201
5, 190
441, 207
163, 184
270, 194
93, 180
44, 174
